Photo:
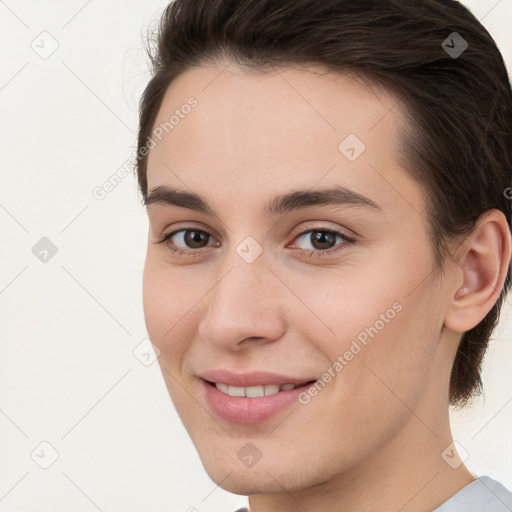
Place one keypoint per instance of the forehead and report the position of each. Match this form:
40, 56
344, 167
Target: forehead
254, 133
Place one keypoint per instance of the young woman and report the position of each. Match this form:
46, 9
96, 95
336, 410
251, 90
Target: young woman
328, 186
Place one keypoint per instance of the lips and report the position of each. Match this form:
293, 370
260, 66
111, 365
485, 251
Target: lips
251, 398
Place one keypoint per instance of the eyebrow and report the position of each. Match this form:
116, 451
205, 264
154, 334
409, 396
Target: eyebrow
278, 205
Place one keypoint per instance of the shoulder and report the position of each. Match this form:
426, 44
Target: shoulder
484, 493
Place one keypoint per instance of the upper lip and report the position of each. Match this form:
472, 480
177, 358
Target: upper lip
255, 378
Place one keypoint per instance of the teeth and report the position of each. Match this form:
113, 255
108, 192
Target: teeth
223, 388
234, 391
253, 391
270, 389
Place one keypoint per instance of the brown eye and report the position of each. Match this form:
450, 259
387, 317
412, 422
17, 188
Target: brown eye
323, 241
194, 239
186, 241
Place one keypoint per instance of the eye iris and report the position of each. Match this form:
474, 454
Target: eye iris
193, 237
321, 237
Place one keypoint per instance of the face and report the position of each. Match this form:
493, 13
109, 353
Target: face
331, 292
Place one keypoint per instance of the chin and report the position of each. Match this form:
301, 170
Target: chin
245, 481
273, 475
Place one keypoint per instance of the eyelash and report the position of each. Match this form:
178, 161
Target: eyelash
304, 252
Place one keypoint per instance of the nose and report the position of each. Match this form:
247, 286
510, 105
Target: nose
245, 306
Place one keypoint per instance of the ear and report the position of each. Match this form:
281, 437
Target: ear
482, 269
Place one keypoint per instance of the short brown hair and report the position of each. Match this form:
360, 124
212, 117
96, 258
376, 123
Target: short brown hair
459, 142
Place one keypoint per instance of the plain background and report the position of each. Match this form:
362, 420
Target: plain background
69, 375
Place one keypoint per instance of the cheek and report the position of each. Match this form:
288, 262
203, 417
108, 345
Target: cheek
163, 308
372, 321
349, 305
395, 365
172, 310
154, 297
165, 319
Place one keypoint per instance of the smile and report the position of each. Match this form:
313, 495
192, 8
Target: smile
251, 404
254, 391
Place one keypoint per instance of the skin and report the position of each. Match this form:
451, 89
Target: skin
372, 439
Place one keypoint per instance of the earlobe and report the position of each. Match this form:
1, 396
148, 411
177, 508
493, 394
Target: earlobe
484, 266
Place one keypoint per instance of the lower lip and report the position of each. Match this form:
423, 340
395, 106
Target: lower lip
250, 410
